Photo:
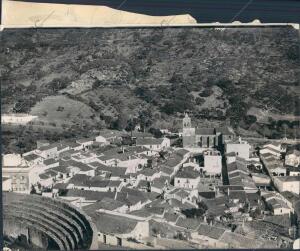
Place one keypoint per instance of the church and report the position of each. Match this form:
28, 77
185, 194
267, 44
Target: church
203, 137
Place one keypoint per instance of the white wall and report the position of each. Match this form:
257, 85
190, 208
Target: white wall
292, 186
242, 150
186, 183
292, 160
213, 164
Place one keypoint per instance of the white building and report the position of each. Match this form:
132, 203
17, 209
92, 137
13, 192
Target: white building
274, 149
292, 158
108, 136
85, 142
240, 148
212, 162
17, 118
154, 143
287, 183
6, 184
15, 173
46, 152
276, 204
187, 177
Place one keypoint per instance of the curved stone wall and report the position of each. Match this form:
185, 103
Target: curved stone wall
40, 218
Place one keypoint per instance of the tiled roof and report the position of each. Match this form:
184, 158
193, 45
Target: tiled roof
97, 164
148, 172
288, 178
166, 170
60, 186
48, 147
47, 174
5, 178
50, 161
113, 224
31, 157
73, 144
110, 133
158, 183
142, 184
84, 140
61, 169
89, 195
293, 169
240, 241
171, 217
106, 203
293, 151
205, 131
211, 231
224, 131
97, 183
149, 141
187, 172
188, 223
79, 180
114, 183
141, 213
281, 220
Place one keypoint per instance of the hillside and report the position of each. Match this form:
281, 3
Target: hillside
247, 77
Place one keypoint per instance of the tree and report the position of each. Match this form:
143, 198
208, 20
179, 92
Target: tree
156, 132
121, 122
250, 119
206, 93
199, 101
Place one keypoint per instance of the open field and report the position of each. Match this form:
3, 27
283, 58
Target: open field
61, 109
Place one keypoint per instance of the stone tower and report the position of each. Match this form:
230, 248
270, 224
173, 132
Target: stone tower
188, 132
186, 122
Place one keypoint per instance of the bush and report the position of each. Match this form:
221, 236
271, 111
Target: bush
250, 119
206, 93
199, 101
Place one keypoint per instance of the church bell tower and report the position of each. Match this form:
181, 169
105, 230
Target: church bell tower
188, 132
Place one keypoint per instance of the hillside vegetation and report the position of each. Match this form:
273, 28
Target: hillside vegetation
151, 76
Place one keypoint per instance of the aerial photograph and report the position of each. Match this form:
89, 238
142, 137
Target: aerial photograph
125, 130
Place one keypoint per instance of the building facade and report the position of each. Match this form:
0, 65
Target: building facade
193, 137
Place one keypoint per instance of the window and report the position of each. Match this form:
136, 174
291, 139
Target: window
178, 181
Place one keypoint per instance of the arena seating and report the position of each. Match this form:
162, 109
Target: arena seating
59, 221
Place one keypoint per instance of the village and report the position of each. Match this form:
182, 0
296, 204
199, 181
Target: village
195, 188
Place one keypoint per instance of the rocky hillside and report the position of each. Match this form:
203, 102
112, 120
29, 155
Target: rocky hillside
151, 76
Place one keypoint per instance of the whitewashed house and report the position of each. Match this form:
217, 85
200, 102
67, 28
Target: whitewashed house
154, 143
287, 183
292, 158
241, 148
212, 162
187, 177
